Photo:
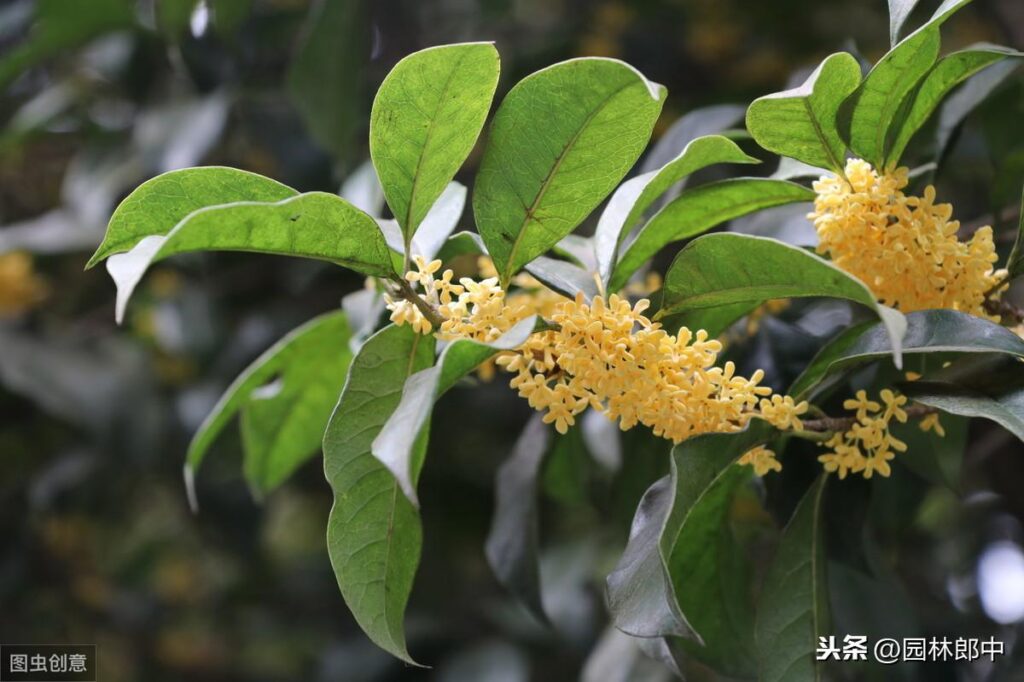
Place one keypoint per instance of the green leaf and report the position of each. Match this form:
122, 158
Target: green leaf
512, 541
938, 459
707, 566
699, 209
724, 269
867, 115
395, 445
561, 140
426, 118
292, 388
641, 597
660, 586
687, 128
801, 123
283, 424
928, 331
966, 99
325, 79
949, 72
156, 206
374, 535
987, 388
636, 196
1015, 263
714, 321
313, 225
793, 609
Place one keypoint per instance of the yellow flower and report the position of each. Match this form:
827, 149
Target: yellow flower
868, 445
20, 287
861, 404
931, 423
605, 354
904, 248
782, 413
762, 459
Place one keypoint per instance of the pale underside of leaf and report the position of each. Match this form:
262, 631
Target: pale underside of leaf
156, 206
313, 225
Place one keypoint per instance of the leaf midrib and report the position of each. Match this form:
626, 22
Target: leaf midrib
549, 179
391, 517
409, 229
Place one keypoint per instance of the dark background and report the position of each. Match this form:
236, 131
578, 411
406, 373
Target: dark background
97, 544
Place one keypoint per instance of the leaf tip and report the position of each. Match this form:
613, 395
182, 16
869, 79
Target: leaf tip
189, 475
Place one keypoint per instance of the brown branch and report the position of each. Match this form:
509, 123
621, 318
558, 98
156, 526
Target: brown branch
429, 312
844, 423
1004, 309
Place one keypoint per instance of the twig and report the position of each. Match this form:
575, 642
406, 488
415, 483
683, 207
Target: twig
429, 312
832, 424
1004, 309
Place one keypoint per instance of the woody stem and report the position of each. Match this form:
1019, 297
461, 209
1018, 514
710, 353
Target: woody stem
840, 424
429, 312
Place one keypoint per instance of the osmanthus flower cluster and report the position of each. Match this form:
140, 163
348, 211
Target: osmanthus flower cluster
606, 355
904, 247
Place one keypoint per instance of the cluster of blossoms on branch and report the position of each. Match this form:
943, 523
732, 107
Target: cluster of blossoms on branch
868, 445
603, 354
607, 355
905, 248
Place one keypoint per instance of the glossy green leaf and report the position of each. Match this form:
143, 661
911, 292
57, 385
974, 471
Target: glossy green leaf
283, 422
325, 81
724, 269
937, 459
635, 197
313, 225
641, 597
660, 586
697, 210
291, 388
949, 72
714, 321
986, 388
928, 331
374, 534
801, 123
156, 206
687, 128
395, 445
561, 140
793, 609
512, 541
867, 115
706, 564
966, 99
426, 118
